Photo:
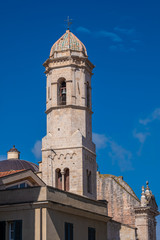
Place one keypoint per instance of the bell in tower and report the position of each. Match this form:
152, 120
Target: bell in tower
68, 153
62, 93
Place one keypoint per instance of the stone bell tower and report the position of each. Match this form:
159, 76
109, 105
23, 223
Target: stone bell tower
68, 153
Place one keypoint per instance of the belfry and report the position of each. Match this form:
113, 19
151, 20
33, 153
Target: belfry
65, 197
68, 153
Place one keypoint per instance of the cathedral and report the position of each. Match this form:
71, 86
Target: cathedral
65, 197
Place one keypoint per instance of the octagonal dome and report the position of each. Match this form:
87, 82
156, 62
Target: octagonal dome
68, 42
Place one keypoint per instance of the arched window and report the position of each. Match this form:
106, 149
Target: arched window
89, 182
66, 180
88, 95
62, 92
58, 179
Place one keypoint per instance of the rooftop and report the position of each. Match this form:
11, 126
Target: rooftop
68, 42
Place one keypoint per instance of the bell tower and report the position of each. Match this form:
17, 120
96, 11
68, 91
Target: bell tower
68, 153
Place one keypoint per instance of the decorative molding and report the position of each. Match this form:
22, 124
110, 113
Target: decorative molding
68, 106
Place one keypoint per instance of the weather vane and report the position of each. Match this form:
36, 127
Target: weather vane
68, 22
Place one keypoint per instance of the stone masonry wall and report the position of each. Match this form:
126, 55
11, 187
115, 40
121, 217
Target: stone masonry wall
121, 198
117, 231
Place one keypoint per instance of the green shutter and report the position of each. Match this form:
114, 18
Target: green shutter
2, 230
68, 231
91, 233
18, 230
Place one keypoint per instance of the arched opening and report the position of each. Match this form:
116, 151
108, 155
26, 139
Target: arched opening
58, 179
89, 181
88, 95
66, 180
62, 92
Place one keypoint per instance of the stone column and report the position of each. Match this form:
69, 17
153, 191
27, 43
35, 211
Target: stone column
37, 230
63, 180
44, 224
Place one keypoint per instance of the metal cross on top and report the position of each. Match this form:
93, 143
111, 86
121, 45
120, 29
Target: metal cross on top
68, 22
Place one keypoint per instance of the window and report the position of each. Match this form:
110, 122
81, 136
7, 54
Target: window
58, 179
66, 180
48, 92
11, 230
62, 92
2, 230
20, 185
88, 95
15, 230
12, 187
91, 233
68, 231
89, 182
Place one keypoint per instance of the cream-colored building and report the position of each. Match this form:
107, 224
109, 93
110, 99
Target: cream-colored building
65, 198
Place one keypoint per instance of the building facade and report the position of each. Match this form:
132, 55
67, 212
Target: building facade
65, 198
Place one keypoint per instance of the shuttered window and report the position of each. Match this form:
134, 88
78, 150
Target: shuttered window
15, 230
68, 231
91, 233
2, 230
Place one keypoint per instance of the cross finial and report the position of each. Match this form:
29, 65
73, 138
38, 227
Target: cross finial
147, 183
68, 22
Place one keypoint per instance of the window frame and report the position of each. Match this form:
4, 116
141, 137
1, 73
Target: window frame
17, 230
68, 231
91, 233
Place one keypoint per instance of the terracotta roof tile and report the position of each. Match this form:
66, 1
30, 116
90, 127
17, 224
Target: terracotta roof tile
2, 174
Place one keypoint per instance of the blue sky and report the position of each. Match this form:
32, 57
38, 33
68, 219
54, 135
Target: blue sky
122, 39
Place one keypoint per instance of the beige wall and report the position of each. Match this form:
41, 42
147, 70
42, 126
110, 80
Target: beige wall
43, 211
24, 213
56, 221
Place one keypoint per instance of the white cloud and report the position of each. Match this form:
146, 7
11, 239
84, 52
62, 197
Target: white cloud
141, 136
100, 140
103, 33
2, 157
155, 115
36, 150
122, 48
113, 36
117, 153
83, 29
121, 155
121, 43
125, 31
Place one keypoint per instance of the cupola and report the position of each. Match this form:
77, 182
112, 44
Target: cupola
13, 153
66, 45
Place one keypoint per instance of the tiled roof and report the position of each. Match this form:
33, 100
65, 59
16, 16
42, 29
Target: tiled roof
68, 41
2, 174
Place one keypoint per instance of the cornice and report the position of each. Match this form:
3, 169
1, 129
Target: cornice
68, 106
87, 64
148, 210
